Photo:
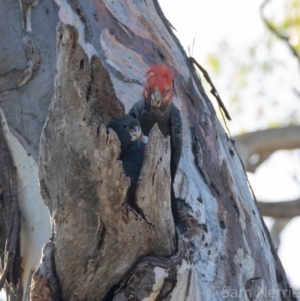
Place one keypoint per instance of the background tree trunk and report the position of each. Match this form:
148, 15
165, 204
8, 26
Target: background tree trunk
100, 243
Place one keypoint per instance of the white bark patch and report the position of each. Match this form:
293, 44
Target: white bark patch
187, 165
187, 287
127, 96
26, 74
179, 291
196, 291
35, 218
118, 55
246, 263
146, 25
129, 17
67, 16
28, 18
185, 266
160, 275
26, 8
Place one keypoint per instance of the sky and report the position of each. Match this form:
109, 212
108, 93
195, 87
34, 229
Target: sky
210, 21
206, 24
237, 23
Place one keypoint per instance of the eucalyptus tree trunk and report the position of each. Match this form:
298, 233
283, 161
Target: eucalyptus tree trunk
102, 248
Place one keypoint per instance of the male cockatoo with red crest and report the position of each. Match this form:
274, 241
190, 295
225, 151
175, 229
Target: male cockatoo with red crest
156, 106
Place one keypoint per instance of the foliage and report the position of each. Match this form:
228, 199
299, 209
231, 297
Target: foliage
287, 24
255, 87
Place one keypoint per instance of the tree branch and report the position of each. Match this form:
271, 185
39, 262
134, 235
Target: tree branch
264, 143
283, 209
213, 90
277, 33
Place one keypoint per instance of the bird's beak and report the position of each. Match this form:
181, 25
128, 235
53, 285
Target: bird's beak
156, 99
135, 133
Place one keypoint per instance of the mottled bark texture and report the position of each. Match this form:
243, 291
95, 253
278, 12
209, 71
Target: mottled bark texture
103, 248
44, 284
98, 236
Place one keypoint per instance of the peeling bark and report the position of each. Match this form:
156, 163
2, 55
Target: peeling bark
157, 276
105, 107
10, 272
44, 284
79, 165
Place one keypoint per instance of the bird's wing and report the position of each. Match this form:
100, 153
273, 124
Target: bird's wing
133, 111
145, 118
132, 160
176, 139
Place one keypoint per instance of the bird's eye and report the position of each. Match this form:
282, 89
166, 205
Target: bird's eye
124, 126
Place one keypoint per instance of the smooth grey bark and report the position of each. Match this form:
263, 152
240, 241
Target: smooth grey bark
27, 69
